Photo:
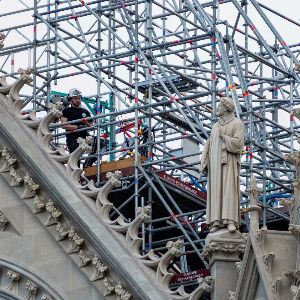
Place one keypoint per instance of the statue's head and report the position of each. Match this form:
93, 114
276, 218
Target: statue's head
226, 105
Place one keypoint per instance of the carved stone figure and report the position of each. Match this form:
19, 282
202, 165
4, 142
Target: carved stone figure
221, 161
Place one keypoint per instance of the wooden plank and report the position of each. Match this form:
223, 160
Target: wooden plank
112, 166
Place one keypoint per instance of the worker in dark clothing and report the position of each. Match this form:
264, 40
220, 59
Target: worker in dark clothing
75, 112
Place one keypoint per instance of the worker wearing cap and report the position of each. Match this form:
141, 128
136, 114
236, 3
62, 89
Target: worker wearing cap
72, 113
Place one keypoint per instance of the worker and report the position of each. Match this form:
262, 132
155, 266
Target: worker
72, 113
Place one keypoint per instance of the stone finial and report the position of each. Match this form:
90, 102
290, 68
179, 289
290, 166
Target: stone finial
144, 213
75, 241
32, 290
84, 258
26, 74
109, 288
254, 192
175, 248
99, 269
121, 292
54, 214
114, 178
2, 38
56, 109
254, 209
205, 286
85, 144
3, 221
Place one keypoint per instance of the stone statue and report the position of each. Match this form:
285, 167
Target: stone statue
221, 161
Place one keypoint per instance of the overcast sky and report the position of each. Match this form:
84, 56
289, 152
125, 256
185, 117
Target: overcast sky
290, 32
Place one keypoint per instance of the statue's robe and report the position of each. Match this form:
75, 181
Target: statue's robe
221, 160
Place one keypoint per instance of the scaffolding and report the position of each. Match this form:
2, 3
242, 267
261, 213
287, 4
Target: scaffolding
154, 70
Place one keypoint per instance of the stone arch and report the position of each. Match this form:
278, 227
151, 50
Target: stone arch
19, 283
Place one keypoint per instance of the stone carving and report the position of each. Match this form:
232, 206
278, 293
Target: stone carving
254, 209
4, 89
85, 259
254, 192
114, 178
26, 75
223, 247
62, 232
100, 269
260, 237
275, 285
245, 237
295, 230
289, 204
163, 274
73, 171
293, 276
32, 289
231, 295
31, 120
54, 214
121, 293
3, 221
75, 241
2, 38
16, 179
144, 213
294, 280
14, 278
38, 204
14, 102
45, 136
8, 160
104, 206
31, 187
297, 67
221, 160
134, 241
204, 286
238, 266
294, 159
109, 288
268, 260
295, 290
